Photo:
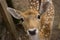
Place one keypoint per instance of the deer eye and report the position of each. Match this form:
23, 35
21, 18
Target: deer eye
21, 19
38, 16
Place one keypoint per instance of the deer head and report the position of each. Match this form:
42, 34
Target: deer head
30, 18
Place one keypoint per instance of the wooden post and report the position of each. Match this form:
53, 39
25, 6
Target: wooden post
8, 19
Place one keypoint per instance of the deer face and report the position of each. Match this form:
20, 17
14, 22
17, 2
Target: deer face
30, 19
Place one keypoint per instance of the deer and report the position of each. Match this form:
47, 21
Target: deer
37, 20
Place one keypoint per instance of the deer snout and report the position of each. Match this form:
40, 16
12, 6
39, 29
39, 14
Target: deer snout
32, 32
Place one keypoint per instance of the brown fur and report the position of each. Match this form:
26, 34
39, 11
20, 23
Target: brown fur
47, 23
44, 25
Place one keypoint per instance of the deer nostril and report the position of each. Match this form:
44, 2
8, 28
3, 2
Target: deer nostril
32, 32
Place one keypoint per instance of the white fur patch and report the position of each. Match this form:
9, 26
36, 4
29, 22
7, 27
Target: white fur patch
35, 37
32, 29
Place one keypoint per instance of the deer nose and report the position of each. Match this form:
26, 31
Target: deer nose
32, 32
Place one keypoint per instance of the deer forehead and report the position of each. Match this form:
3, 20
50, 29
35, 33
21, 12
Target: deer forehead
30, 12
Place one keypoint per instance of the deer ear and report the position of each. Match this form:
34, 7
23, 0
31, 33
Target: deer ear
44, 6
13, 12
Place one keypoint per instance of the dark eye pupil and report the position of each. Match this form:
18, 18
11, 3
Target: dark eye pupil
21, 19
38, 16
